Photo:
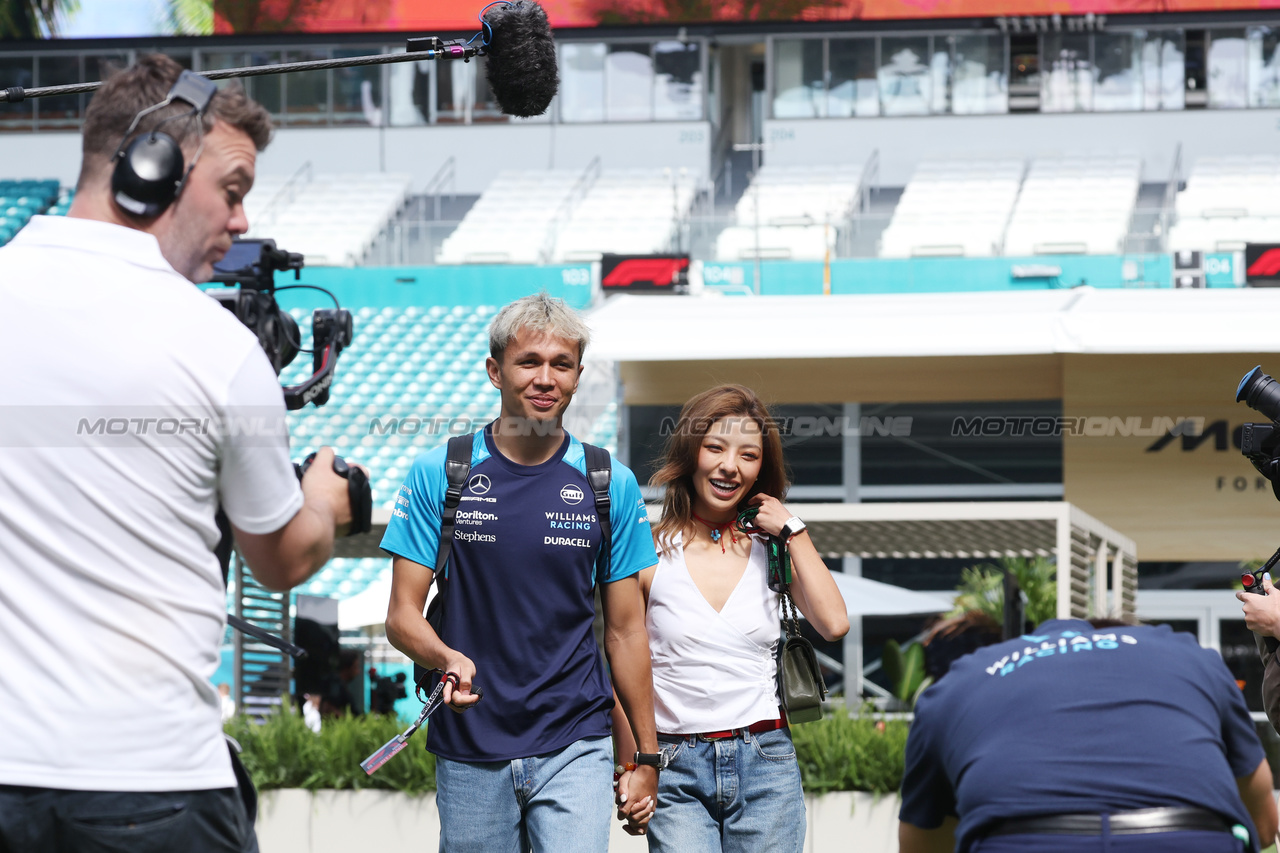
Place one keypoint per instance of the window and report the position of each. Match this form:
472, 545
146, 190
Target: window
1227, 69
853, 90
409, 99
907, 76
980, 84
1066, 84
1164, 70
1118, 64
307, 100
486, 105
1264, 67
581, 82
677, 81
798, 79
454, 82
267, 89
17, 71
812, 443
58, 110
628, 79
963, 444
357, 92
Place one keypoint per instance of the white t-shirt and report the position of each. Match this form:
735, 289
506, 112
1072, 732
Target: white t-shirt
712, 670
118, 380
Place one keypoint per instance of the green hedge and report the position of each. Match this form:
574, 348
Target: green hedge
839, 753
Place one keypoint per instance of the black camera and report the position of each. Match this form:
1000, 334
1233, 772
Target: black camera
252, 264
1260, 443
385, 691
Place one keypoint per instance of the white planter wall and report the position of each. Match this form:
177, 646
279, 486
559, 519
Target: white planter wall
296, 821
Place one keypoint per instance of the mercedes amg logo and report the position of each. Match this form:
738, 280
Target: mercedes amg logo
479, 484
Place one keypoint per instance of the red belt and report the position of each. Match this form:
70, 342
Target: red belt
755, 729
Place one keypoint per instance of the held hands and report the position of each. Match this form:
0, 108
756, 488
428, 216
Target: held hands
1262, 612
637, 798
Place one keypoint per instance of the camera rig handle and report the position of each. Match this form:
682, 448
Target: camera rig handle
332, 330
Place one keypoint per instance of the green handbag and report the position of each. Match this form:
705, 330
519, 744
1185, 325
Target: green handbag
800, 684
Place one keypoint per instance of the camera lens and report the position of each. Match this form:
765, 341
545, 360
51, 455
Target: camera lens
1260, 392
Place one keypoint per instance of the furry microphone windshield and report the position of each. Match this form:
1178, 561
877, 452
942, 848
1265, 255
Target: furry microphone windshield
522, 58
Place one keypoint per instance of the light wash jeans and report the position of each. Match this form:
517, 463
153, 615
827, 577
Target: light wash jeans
561, 802
737, 795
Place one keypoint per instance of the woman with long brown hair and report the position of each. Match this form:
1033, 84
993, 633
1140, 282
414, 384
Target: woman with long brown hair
732, 782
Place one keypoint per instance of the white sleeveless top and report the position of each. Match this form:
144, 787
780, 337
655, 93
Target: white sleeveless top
712, 671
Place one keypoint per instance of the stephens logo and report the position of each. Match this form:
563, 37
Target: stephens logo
479, 484
571, 494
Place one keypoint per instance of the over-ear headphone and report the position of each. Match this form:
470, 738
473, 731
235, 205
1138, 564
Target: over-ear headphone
149, 173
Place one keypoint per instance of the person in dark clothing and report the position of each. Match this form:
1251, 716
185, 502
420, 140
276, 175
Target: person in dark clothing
1080, 738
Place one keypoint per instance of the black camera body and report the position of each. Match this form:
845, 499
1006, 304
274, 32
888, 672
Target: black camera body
1260, 444
252, 264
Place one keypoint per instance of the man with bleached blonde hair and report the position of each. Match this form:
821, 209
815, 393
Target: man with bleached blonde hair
529, 766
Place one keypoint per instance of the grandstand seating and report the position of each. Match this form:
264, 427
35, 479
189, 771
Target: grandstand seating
1228, 201
627, 212
331, 219
1074, 205
21, 200
800, 209
953, 208
512, 220
425, 363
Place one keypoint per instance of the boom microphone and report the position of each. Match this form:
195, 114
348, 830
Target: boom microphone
523, 73
516, 36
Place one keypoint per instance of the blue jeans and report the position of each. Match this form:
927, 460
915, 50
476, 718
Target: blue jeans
737, 795
57, 821
556, 803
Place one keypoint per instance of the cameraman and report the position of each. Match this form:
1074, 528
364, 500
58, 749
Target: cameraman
120, 379
1262, 617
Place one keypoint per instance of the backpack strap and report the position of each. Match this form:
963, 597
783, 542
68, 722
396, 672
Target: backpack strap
599, 474
457, 466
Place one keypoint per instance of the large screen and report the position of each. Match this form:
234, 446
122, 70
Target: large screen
139, 18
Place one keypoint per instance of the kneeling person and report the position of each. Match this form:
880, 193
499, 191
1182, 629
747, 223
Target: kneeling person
1080, 738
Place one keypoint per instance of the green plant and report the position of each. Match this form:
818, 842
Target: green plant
851, 752
283, 753
981, 588
842, 752
905, 668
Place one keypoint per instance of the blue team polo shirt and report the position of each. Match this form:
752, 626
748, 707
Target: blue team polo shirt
1076, 719
520, 598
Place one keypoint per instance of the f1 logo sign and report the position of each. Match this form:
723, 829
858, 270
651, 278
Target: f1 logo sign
1262, 264
630, 273
1266, 266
